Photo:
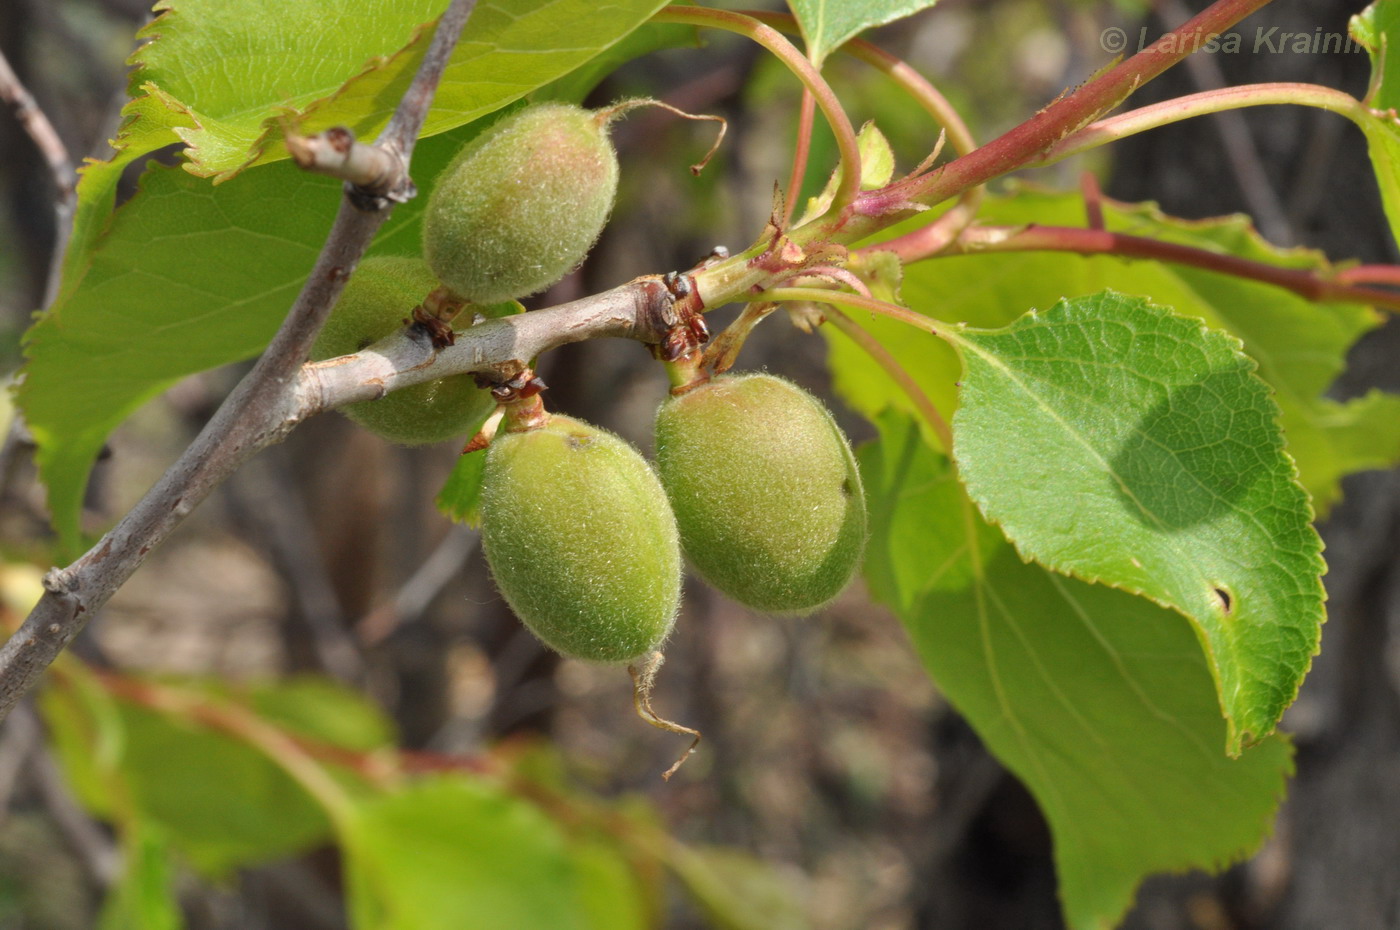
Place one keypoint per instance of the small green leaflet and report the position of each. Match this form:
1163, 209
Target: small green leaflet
826, 24
1100, 702
1378, 29
1117, 442
460, 497
876, 169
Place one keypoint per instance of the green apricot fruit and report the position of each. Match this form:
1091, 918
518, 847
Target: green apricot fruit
581, 540
522, 203
376, 300
765, 489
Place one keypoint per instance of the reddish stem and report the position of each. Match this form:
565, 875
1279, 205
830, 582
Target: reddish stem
1030, 140
897, 372
1306, 284
1371, 274
800, 153
234, 720
1093, 200
913, 83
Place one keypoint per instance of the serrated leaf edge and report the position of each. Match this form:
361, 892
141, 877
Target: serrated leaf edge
1235, 740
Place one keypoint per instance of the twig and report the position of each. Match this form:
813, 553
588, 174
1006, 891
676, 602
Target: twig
55, 153
336, 153
1093, 199
422, 588
276, 510
911, 81
292, 753
1207, 102
860, 302
240, 427
1371, 274
233, 719
642, 309
21, 735
99, 854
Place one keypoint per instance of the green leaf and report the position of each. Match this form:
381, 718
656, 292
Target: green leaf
86, 732
735, 891
508, 49
611, 896
826, 24
1100, 702
324, 710
1378, 29
1120, 443
1300, 345
183, 778
144, 897
876, 169
188, 278
318, 63
919, 501
645, 39
460, 497
450, 853
273, 58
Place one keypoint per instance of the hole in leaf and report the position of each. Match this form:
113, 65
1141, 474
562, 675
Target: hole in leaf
1226, 602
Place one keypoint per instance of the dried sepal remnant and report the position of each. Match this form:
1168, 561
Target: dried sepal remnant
765, 490
521, 204
382, 294
643, 672
581, 540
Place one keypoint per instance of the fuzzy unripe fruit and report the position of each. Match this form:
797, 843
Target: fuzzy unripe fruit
376, 300
765, 491
522, 203
581, 540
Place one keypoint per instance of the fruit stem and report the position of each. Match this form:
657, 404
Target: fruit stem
643, 678
436, 313
524, 415
724, 349
685, 372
